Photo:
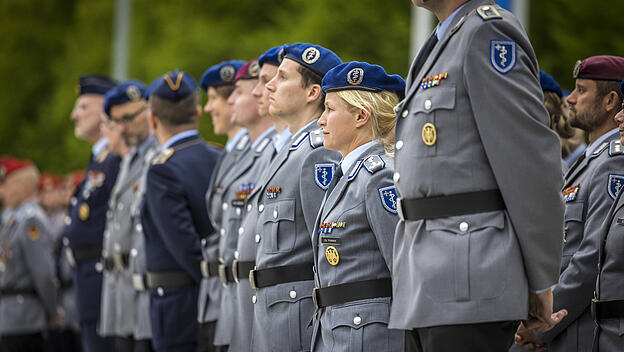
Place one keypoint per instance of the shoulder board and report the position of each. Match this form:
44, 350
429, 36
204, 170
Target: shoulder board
374, 163
355, 170
488, 12
163, 156
298, 141
262, 145
102, 156
601, 148
316, 138
242, 143
615, 148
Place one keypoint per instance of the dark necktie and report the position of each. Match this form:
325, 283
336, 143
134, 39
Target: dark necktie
423, 54
334, 180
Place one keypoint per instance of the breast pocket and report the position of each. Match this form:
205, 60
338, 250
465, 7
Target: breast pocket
361, 327
435, 128
278, 227
573, 230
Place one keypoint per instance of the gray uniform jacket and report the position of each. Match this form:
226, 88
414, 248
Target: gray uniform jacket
290, 197
209, 298
240, 182
610, 283
118, 294
363, 205
491, 132
590, 189
26, 264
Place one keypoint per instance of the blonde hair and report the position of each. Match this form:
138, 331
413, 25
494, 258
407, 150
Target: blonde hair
381, 106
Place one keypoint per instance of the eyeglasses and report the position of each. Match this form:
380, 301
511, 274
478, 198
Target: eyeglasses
127, 118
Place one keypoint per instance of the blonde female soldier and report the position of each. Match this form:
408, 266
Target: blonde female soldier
354, 232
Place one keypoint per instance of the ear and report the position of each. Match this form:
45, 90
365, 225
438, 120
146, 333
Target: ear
612, 102
362, 116
314, 93
198, 111
153, 121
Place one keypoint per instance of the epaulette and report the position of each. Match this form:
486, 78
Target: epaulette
242, 143
599, 150
298, 141
316, 138
102, 156
355, 170
163, 156
488, 12
262, 145
374, 163
615, 148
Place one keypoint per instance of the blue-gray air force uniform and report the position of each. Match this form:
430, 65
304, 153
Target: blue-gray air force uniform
590, 189
352, 244
474, 123
241, 180
27, 279
210, 288
290, 197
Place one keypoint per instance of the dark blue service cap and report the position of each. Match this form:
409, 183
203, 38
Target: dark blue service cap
173, 86
362, 76
549, 84
273, 56
95, 84
124, 92
314, 57
220, 74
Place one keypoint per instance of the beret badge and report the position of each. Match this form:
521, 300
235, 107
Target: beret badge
280, 55
254, 69
227, 73
310, 55
133, 93
355, 76
577, 68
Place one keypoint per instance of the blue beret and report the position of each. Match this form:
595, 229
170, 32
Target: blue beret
173, 86
124, 92
549, 84
273, 56
314, 57
622, 87
220, 74
362, 76
95, 84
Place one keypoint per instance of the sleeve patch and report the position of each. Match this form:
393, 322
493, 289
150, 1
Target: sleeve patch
503, 55
388, 197
323, 174
615, 185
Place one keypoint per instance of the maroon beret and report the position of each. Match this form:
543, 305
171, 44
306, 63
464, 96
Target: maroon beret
602, 68
249, 70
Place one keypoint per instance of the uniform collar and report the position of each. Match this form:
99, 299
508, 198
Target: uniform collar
145, 145
229, 145
443, 27
305, 127
592, 147
569, 160
99, 146
264, 135
281, 139
354, 155
180, 136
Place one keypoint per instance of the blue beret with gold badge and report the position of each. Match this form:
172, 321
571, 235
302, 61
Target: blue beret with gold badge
220, 74
95, 84
124, 92
173, 86
316, 58
273, 56
362, 76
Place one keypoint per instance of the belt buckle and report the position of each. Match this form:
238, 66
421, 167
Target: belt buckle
204, 268
235, 270
315, 297
138, 282
594, 310
400, 209
252, 278
223, 274
118, 261
70, 256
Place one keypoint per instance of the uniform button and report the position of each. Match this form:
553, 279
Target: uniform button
20, 299
241, 230
120, 206
238, 211
254, 299
463, 227
396, 177
117, 247
65, 241
139, 228
222, 232
236, 255
221, 260
224, 206
427, 104
249, 207
106, 234
405, 112
160, 291
134, 252
67, 220
203, 241
399, 145
293, 294
85, 194
357, 320
257, 238
98, 267
260, 208
73, 201
109, 214
275, 214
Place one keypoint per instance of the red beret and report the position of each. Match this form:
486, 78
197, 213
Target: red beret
249, 70
48, 181
76, 177
601, 68
8, 165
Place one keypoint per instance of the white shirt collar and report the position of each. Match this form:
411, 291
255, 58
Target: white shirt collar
592, 147
354, 155
179, 136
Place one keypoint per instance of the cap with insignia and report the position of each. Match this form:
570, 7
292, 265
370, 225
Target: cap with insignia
220, 74
95, 84
124, 92
273, 56
549, 84
362, 76
173, 86
600, 68
318, 59
249, 70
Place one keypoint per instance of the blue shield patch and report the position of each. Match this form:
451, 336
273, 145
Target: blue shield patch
389, 198
503, 55
323, 174
615, 185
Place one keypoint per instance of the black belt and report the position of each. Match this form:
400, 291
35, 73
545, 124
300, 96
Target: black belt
66, 283
241, 269
352, 291
79, 255
607, 309
225, 274
17, 291
118, 261
280, 275
168, 279
108, 264
209, 269
452, 205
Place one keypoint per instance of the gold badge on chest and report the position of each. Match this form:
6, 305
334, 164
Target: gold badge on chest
429, 134
331, 253
83, 211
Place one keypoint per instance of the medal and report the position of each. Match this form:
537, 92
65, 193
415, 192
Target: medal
83, 211
331, 253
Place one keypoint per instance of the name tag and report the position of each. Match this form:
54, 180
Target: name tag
335, 241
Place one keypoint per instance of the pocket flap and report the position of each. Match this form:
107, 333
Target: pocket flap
433, 99
289, 293
279, 211
359, 315
474, 221
574, 211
